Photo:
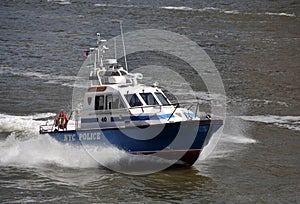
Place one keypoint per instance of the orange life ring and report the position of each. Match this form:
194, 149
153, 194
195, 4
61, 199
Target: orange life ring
61, 121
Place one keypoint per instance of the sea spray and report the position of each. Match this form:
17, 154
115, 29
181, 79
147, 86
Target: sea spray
233, 139
25, 147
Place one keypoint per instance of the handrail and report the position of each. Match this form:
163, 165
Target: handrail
151, 106
177, 106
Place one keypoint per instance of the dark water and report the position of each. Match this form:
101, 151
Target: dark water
255, 47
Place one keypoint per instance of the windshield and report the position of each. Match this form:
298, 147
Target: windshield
133, 100
149, 98
162, 98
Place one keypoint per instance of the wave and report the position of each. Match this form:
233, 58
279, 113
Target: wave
226, 146
25, 124
231, 141
235, 12
205, 9
238, 139
61, 2
280, 14
25, 142
48, 78
289, 122
253, 101
120, 6
25, 147
181, 8
42, 150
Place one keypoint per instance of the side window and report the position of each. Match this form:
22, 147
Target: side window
99, 102
133, 100
117, 102
149, 98
109, 100
162, 98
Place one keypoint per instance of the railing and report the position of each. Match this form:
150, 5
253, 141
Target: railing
47, 127
193, 107
153, 106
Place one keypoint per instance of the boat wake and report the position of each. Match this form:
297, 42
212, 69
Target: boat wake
232, 140
23, 124
289, 122
21, 145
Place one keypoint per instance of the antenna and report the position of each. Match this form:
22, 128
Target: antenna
115, 44
122, 36
98, 50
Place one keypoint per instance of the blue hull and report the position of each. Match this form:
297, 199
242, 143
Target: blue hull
188, 137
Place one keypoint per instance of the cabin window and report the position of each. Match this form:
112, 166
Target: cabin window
149, 98
133, 100
117, 102
109, 99
99, 102
162, 98
113, 102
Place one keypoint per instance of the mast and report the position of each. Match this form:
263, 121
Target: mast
115, 44
123, 42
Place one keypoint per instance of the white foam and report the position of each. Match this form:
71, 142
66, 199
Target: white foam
28, 124
26, 147
233, 12
280, 14
227, 145
205, 9
238, 139
182, 8
118, 6
289, 122
61, 2
41, 150
48, 78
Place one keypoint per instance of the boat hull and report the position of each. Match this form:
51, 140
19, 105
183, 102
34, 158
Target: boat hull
182, 141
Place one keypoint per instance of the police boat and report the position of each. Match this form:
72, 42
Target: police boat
136, 118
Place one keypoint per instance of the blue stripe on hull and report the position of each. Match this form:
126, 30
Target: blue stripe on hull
129, 118
189, 135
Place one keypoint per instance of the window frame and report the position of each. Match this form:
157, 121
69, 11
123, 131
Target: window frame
97, 102
157, 94
145, 99
128, 100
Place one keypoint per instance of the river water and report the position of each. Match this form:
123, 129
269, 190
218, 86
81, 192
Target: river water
255, 47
